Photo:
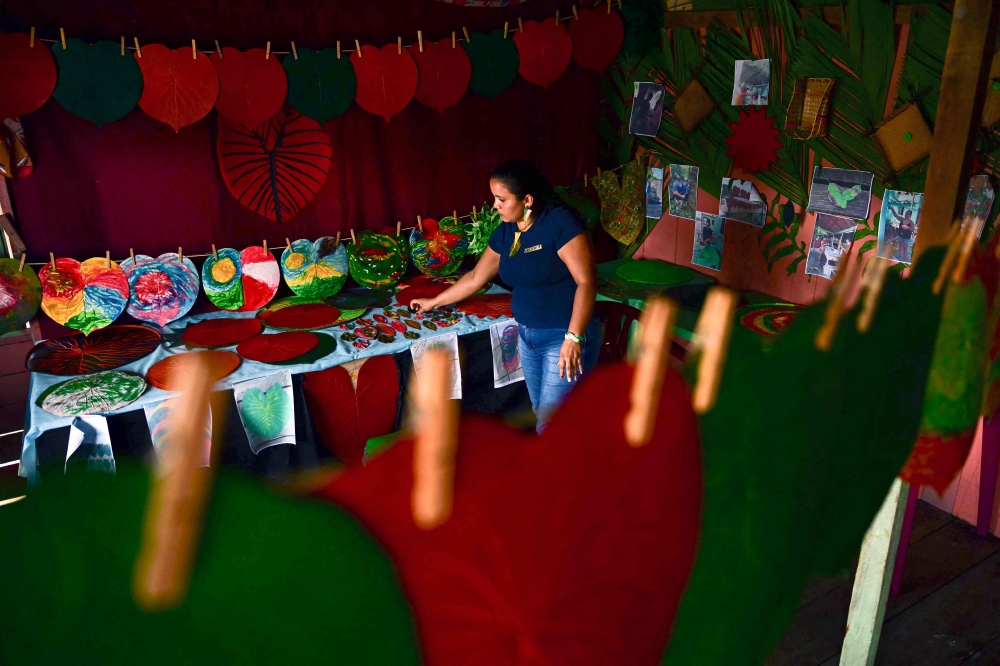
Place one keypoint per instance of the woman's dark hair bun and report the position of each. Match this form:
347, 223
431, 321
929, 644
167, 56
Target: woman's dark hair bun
522, 178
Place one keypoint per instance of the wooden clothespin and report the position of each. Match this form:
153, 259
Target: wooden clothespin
265, 246
218, 49
506, 25
131, 255
399, 46
180, 255
52, 260
338, 239
338, 50
62, 38
657, 321
123, 44
435, 442
215, 252
20, 267
609, 6
713, 328
466, 33
288, 244
454, 215
420, 224
357, 45
267, 52
520, 25
837, 303
584, 181
420, 40
194, 50
557, 16
872, 283
619, 4
453, 44
354, 238
474, 213
138, 51
107, 256
399, 227
31, 38
576, 15
295, 52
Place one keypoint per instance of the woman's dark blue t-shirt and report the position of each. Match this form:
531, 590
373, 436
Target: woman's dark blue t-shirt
543, 288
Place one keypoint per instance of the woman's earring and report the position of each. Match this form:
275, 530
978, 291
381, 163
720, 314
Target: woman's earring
527, 209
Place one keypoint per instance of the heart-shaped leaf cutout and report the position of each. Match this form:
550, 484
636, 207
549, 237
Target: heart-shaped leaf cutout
252, 87
494, 63
315, 269
544, 49
161, 289
445, 71
96, 82
178, 89
266, 414
243, 281
321, 86
84, 296
387, 79
27, 75
597, 37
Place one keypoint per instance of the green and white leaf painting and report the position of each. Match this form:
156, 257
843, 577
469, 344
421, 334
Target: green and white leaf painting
93, 394
266, 413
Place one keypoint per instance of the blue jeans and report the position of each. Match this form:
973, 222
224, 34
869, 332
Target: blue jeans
539, 349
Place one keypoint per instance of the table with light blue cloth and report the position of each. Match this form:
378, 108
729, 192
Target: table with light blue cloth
38, 421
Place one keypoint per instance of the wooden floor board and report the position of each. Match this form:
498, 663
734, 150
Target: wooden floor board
988, 655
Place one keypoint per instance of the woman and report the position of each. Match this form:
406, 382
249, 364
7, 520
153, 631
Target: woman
544, 253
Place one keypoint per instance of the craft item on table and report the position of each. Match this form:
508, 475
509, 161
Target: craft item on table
444, 71
360, 298
495, 62
241, 281
163, 289
83, 296
96, 82
647, 109
20, 295
692, 105
448, 343
486, 305
347, 416
654, 193
751, 82
214, 333
478, 232
898, 223
903, 139
274, 347
809, 109
754, 142
978, 203
306, 317
326, 345
315, 269
623, 209
429, 286
167, 374
597, 37
92, 394
709, 237
506, 355
104, 349
89, 442
321, 85
275, 168
831, 241
15, 162
767, 319
177, 89
439, 247
653, 272
543, 50
376, 260
841, 192
682, 191
252, 87
387, 79
739, 200
27, 75
160, 421
267, 409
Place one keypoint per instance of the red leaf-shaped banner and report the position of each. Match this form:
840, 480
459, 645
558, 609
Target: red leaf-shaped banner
252, 87
487, 305
387, 79
276, 168
544, 50
104, 349
177, 89
27, 75
597, 37
275, 347
445, 72
220, 332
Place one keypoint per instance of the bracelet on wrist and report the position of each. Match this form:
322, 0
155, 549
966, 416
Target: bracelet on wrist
579, 339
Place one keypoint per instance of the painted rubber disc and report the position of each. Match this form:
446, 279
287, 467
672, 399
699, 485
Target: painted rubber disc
440, 248
376, 260
92, 394
220, 332
318, 316
315, 269
241, 281
360, 299
274, 347
161, 290
768, 318
20, 295
104, 349
85, 296
166, 373
326, 346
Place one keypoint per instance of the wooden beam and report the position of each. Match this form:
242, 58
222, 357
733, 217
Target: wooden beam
831, 14
960, 107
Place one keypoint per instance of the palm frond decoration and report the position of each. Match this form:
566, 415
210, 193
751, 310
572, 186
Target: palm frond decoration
778, 236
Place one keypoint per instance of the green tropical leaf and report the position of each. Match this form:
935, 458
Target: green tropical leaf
266, 414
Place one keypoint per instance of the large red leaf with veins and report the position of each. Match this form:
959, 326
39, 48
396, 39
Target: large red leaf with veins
387, 79
486, 305
445, 72
277, 347
597, 37
27, 75
252, 87
176, 89
545, 50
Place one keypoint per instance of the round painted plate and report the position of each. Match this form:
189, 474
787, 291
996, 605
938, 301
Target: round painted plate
220, 332
767, 318
83, 296
104, 349
653, 272
92, 394
326, 346
241, 281
360, 298
165, 373
440, 248
161, 290
376, 260
267, 313
315, 269
270, 348
20, 295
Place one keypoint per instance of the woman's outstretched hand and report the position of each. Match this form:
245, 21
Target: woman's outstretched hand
420, 305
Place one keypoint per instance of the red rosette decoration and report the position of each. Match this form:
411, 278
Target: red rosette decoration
177, 89
387, 79
252, 86
754, 143
544, 50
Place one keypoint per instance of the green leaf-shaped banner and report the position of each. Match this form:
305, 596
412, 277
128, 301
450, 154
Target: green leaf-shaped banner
96, 82
321, 86
266, 414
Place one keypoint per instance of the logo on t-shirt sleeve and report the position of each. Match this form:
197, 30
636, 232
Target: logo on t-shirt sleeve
532, 248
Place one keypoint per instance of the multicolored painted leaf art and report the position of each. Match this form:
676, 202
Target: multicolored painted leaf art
96, 82
161, 289
440, 247
20, 295
93, 394
376, 260
178, 89
242, 281
83, 296
315, 269
27, 75
104, 349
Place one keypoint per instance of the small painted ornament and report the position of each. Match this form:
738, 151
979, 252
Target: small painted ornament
385, 339
410, 335
85, 296
20, 295
315, 269
348, 337
431, 326
99, 393
96, 82
361, 344
161, 290
241, 281
376, 260
440, 248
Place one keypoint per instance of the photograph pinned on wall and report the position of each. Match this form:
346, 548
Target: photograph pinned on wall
267, 410
506, 353
752, 82
831, 240
897, 229
709, 235
647, 109
89, 443
740, 201
447, 343
841, 192
654, 192
682, 190
978, 203
162, 426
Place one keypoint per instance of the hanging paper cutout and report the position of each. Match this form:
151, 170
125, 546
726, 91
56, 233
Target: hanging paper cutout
321, 86
752, 82
83, 296
440, 248
831, 241
444, 74
754, 143
315, 269
544, 51
241, 281
213, 333
506, 355
376, 261
160, 419
92, 394
623, 209
739, 200
494, 62
176, 89
274, 347
683, 190
168, 373
252, 87
20, 295
274, 169
15, 162
841, 192
267, 410
486, 305
161, 289
597, 37
387, 79
90, 441
709, 236
767, 319
104, 349
27, 75
96, 82
647, 109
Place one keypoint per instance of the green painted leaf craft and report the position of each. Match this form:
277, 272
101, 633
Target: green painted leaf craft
315, 269
266, 413
376, 260
321, 86
96, 82
92, 394
494, 62
20, 295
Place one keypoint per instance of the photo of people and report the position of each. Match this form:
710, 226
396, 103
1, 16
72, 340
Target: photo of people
831, 240
978, 203
654, 192
682, 191
647, 109
752, 82
841, 192
709, 234
741, 201
897, 229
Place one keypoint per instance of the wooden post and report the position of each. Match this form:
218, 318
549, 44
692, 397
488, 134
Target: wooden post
960, 106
